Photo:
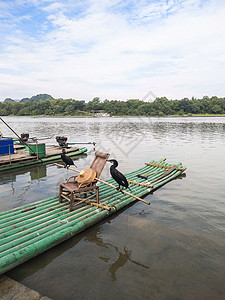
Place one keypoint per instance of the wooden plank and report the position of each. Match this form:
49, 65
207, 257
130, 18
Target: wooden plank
165, 174
23, 156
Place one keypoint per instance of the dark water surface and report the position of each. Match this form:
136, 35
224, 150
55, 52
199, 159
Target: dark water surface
172, 249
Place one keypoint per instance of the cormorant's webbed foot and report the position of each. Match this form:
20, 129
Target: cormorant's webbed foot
118, 188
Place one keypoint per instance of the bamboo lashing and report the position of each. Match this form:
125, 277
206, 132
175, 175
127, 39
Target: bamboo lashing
103, 206
165, 167
139, 183
125, 192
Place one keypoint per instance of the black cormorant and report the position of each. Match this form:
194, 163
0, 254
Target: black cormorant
67, 160
117, 176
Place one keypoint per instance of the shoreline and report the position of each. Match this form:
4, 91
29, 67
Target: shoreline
122, 116
11, 289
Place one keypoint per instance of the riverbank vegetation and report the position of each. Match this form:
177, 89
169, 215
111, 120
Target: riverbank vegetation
133, 107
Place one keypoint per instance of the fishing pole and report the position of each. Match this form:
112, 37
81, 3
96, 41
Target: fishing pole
20, 139
83, 143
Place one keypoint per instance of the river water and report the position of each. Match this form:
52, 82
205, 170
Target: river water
172, 249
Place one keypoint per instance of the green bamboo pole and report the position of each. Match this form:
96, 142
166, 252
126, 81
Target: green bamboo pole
19, 256
38, 234
18, 209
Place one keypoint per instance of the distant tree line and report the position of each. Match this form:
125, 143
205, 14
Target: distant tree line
133, 107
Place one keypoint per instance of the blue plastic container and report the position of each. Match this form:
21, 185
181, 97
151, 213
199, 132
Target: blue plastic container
6, 146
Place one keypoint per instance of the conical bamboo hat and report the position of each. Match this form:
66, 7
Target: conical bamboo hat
86, 175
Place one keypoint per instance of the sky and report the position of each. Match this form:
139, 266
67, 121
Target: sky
137, 49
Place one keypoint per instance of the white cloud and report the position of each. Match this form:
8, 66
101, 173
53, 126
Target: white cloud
173, 48
53, 7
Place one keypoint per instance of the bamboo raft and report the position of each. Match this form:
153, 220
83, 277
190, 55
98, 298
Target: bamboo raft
28, 231
24, 159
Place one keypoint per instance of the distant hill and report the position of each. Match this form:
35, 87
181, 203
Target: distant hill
37, 98
9, 100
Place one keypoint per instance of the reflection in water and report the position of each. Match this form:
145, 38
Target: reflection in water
123, 258
121, 261
35, 172
19, 189
38, 173
7, 178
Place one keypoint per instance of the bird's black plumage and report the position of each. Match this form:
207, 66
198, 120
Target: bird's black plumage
67, 160
117, 175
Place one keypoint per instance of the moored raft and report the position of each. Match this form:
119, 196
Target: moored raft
30, 230
24, 159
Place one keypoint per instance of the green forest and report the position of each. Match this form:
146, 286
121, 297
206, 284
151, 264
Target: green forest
133, 107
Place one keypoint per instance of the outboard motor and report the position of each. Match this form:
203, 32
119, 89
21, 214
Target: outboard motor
62, 141
24, 137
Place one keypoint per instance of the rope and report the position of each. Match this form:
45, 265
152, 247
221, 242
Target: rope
104, 204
